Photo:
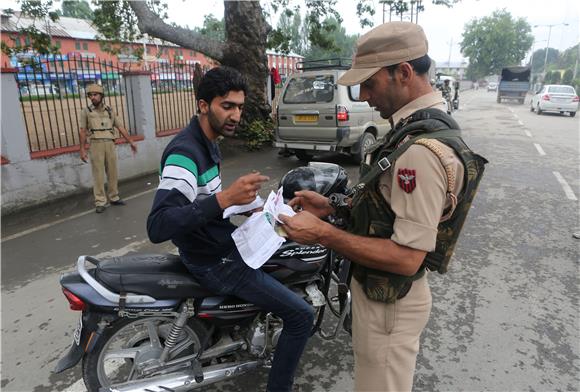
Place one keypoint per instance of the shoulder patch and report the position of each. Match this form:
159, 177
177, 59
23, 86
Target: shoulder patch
407, 179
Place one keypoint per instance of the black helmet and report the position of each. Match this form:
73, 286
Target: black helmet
321, 177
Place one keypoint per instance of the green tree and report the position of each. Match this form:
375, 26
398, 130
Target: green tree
556, 77
212, 28
548, 77
494, 42
412, 8
79, 9
344, 44
568, 76
540, 59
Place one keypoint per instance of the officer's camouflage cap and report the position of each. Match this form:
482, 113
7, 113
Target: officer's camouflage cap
388, 44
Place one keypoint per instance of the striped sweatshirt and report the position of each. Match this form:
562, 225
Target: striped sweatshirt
185, 209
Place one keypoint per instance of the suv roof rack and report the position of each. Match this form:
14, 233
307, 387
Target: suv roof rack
332, 63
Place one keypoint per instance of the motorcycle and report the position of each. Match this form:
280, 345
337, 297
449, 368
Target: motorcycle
148, 325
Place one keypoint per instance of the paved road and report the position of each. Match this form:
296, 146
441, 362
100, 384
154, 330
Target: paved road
505, 318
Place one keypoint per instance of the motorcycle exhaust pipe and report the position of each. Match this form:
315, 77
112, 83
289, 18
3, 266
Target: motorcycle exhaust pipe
185, 380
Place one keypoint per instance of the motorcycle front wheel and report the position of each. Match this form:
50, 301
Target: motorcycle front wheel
130, 344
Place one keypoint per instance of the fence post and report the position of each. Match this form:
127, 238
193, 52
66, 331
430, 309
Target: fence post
14, 140
139, 96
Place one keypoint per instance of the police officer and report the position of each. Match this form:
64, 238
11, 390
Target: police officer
97, 125
406, 212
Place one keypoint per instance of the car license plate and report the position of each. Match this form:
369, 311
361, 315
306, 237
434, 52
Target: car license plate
306, 118
78, 331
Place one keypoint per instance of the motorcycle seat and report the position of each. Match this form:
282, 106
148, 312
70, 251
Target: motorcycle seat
161, 276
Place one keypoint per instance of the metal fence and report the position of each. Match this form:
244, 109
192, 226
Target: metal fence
52, 94
173, 94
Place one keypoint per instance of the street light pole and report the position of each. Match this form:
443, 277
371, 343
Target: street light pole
548, 41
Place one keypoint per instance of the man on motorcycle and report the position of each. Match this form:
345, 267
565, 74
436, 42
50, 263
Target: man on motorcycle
397, 210
188, 209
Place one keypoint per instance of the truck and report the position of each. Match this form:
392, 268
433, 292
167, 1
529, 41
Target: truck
514, 83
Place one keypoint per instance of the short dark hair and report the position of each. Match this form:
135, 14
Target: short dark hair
420, 65
218, 81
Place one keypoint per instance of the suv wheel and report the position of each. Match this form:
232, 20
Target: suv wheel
366, 140
304, 155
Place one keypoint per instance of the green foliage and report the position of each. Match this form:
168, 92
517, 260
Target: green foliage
576, 84
344, 44
567, 78
539, 57
257, 134
494, 42
569, 57
79, 9
402, 7
212, 28
556, 77
548, 77
118, 25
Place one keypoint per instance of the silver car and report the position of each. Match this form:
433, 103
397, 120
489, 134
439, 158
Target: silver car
555, 98
315, 114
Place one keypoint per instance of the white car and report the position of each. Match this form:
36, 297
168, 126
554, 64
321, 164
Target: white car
492, 86
555, 98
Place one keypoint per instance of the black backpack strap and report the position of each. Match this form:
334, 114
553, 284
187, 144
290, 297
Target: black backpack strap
385, 163
109, 110
434, 114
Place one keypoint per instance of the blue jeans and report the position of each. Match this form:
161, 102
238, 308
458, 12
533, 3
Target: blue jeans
231, 276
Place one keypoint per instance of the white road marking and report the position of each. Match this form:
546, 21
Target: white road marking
567, 189
56, 222
528, 133
511, 110
540, 149
521, 123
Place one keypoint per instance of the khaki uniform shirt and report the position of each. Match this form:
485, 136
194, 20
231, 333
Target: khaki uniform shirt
419, 211
98, 123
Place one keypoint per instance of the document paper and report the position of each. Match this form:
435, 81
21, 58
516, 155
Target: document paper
256, 239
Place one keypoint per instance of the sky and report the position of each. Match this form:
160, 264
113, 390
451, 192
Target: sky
442, 25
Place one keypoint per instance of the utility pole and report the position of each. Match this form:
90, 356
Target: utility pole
549, 26
449, 59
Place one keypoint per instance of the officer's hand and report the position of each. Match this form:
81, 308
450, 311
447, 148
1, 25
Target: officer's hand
133, 148
304, 227
83, 156
312, 202
243, 191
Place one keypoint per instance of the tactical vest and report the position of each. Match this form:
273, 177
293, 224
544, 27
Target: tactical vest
371, 216
100, 125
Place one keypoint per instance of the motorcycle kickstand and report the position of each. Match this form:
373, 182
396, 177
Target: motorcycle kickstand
197, 371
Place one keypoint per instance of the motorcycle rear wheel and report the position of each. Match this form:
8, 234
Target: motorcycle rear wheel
127, 343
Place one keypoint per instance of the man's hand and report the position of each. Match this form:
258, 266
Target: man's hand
243, 191
133, 148
312, 202
83, 155
304, 227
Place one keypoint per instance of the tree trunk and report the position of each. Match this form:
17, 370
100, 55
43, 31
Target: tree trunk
246, 35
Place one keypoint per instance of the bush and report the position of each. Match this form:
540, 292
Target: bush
567, 78
257, 133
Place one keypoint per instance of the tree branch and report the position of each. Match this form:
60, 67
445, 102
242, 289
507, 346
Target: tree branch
153, 25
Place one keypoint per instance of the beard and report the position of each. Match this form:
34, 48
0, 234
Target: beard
222, 127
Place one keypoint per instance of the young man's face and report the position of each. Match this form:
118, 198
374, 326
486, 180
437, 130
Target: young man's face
224, 113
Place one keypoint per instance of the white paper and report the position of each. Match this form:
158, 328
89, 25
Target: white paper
256, 239
240, 209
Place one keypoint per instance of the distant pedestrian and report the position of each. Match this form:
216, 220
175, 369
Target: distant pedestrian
97, 125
